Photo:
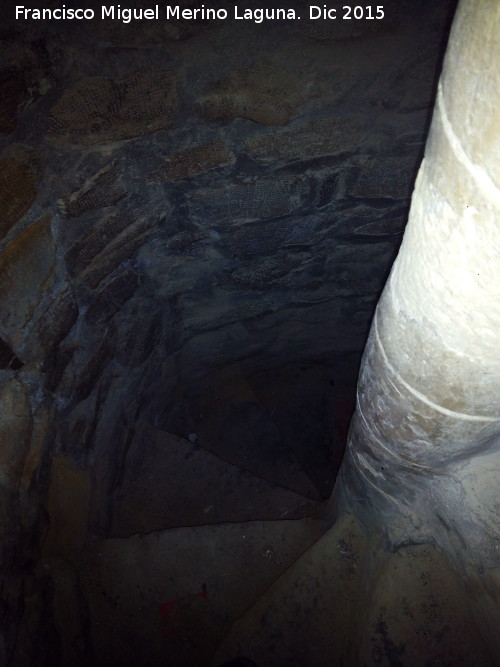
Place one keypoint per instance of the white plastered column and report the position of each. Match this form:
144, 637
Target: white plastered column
423, 457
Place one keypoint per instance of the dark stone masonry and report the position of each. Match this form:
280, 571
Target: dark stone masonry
197, 219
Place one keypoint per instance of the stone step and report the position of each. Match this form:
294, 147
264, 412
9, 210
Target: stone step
347, 601
170, 482
304, 618
170, 597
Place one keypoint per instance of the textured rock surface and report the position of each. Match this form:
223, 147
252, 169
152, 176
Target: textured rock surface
191, 224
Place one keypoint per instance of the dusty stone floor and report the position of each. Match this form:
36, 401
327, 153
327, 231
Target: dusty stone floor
282, 592
195, 559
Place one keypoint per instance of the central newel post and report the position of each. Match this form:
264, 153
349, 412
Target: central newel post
423, 459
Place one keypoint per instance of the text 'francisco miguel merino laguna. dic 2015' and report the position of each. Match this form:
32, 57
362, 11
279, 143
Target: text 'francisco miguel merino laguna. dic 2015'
176, 12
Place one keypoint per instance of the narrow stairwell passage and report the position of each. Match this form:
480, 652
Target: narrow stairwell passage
198, 218
281, 592
193, 543
194, 560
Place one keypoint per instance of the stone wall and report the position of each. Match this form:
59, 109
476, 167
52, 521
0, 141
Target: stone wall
179, 199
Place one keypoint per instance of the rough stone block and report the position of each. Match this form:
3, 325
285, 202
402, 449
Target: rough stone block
80, 379
18, 185
261, 199
193, 161
111, 296
119, 249
15, 431
361, 253
328, 136
138, 333
13, 92
57, 320
26, 267
95, 109
383, 227
256, 239
103, 232
265, 93
186, 243
266, 274
386, 178
101, 190
285, 233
